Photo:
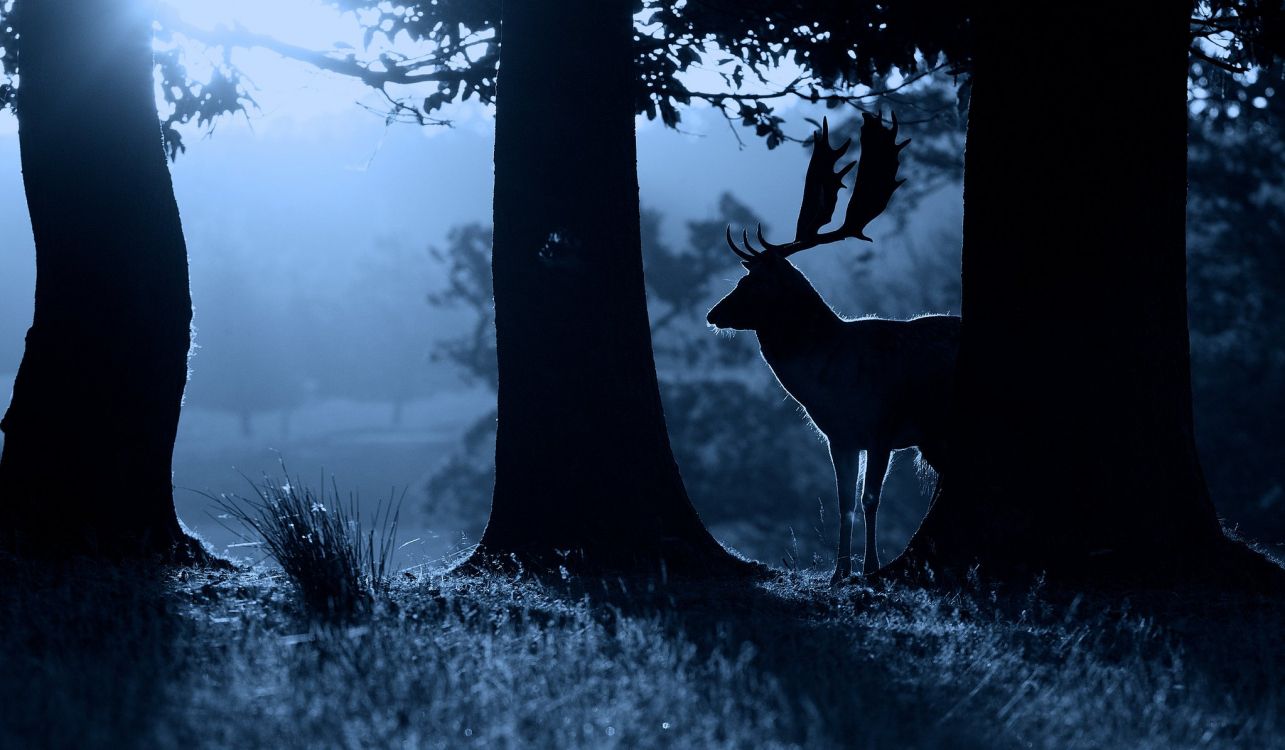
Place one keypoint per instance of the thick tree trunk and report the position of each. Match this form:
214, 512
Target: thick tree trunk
584, 472
1073, 451
90, 432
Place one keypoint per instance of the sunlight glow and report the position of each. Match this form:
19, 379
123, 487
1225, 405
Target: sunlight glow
290, 93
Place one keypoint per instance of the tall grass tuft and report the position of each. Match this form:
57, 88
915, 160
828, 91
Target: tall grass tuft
338, 567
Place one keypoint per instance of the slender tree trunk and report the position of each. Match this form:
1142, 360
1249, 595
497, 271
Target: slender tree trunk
584, 472
90, 432
1073, 451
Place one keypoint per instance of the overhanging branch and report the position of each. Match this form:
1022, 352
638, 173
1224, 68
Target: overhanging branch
344, 64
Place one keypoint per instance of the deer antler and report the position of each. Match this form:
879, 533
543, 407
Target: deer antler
875, 184
876, 175
821, 184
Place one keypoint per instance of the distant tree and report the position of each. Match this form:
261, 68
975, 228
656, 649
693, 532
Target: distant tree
387, 324
467, 259
247, 361
90, 432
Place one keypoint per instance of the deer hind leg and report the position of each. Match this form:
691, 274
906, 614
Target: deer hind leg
872, 486
845, 462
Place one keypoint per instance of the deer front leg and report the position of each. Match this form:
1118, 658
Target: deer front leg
845, 462
871, 487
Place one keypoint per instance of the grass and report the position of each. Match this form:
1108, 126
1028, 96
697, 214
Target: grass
319, 542
327, 649
234, 659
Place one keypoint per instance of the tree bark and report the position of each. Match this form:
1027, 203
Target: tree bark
585, 476
89, 434
1073, 451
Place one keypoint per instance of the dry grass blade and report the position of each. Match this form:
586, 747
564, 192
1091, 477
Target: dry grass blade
338, 566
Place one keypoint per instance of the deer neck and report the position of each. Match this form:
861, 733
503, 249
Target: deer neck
799, 332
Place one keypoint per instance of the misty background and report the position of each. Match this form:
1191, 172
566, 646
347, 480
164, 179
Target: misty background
338, 269
309, 232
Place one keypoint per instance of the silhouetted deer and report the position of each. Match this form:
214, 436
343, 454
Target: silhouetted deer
868, 385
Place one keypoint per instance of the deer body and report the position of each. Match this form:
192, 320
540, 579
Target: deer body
874, 382
869, 385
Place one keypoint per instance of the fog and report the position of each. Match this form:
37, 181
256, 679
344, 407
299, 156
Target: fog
308, 225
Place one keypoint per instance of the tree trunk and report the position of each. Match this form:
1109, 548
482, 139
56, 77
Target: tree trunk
90, 432
1073, 451
584, 472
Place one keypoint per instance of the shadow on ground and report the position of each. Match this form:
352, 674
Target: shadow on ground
148, 658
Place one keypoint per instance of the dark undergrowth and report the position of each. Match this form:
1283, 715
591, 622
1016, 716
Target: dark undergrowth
95, 657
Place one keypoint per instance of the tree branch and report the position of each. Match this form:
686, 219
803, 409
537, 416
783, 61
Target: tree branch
347, 65
1217, 63
792, 90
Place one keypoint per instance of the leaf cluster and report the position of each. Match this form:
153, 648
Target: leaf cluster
843, 54
1237, 35
224, 92
839, 51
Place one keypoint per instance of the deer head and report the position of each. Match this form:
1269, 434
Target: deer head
773, 283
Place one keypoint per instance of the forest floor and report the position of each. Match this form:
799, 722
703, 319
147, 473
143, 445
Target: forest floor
94, 658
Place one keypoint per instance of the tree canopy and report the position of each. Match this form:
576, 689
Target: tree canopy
743, 58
